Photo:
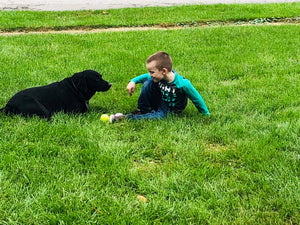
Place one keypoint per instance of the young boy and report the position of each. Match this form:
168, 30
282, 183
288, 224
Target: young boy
163, 91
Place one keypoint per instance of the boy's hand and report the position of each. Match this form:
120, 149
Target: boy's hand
131, 87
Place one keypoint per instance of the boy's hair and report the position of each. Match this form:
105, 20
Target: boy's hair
163, 60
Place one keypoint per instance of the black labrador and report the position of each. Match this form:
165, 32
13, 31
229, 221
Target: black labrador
72, 94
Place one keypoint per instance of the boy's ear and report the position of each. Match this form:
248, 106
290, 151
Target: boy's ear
165, 71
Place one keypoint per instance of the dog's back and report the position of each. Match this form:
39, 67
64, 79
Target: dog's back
44, 101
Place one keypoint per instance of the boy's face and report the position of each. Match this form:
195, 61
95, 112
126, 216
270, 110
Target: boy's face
156, 74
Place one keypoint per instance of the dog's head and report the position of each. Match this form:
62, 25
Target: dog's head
88, 82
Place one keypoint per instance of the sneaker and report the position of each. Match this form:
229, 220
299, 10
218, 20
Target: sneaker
137, 112
116, 117
112, 119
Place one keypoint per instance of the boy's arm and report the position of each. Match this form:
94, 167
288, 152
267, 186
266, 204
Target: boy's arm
195, 97
141, 78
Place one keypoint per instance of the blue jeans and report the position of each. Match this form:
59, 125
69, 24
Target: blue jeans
150, 103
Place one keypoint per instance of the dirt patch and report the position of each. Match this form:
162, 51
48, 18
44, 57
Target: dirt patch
83, 31
163, 26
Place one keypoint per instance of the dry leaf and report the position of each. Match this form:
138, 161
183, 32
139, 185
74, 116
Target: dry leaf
142, 198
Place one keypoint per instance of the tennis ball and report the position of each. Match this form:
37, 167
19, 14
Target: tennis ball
104, 118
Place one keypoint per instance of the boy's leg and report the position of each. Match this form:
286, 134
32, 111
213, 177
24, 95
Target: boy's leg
161, 113
150, 97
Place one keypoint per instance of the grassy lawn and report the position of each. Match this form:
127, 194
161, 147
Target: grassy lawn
238, 166
191, 14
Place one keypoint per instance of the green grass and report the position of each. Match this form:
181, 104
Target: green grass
238, 166
191, 14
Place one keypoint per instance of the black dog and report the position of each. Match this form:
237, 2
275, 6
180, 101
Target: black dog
69, 95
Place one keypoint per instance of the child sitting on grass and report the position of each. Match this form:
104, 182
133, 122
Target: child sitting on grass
163, 91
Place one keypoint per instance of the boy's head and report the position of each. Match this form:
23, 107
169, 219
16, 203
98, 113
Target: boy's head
159, 66
162, 60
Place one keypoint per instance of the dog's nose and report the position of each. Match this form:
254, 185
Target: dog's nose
108, 86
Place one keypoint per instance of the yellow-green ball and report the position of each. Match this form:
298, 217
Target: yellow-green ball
104, 118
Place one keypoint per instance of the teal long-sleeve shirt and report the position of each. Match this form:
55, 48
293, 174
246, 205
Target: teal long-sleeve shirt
175, 93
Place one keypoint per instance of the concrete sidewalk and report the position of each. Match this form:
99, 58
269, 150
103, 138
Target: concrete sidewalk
60, 5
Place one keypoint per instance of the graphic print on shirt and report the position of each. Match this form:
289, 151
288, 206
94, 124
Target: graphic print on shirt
173, 96
168, 93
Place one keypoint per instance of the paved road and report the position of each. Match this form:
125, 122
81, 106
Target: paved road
59, 5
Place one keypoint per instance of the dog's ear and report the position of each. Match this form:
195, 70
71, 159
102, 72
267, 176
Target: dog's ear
79, 80
95, 81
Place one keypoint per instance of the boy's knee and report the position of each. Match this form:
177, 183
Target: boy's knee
148, 84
